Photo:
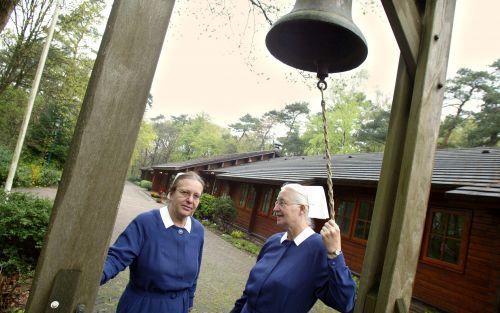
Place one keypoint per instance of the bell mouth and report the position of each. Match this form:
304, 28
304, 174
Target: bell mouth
309, 40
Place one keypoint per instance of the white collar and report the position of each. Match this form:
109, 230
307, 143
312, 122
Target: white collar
306, 233
167, 220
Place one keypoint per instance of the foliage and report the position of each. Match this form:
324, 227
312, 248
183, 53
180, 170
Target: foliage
27, 175
23, 223
200, 138
142, 149
65, 77
237, 234
224, 211
474, 100
146, 184
5, 159
206, 208
243, 244
50, 176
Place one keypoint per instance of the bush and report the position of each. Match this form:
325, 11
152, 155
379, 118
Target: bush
23, 223
205, 210
236, 234
49, 177
5, 159
224, 212
23, 176
146, 184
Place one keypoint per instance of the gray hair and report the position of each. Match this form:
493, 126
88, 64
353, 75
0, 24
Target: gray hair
299, 196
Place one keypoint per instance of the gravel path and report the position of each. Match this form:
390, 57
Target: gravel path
224, 268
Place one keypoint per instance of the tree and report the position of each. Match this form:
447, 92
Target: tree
371, 136
65, 77
200, 138
466, 87
265, 126
6, 8
290, 118
22, 43
142, 148
246, 124
488, 119
467, 92
166, 136
344, 117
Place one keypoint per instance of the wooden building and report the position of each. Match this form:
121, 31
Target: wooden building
162, 175
458, 268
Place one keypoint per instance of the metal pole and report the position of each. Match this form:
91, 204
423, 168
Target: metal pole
34, 91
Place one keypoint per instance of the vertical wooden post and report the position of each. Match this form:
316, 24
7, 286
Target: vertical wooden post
87, 201
415, 174
386, 192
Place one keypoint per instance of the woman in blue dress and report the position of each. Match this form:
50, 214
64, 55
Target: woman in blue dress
299, 266
163, 249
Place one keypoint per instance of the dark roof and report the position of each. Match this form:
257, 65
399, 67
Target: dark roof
178, 166
453, 168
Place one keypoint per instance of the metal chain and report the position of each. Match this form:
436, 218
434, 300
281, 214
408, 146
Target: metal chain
322, 86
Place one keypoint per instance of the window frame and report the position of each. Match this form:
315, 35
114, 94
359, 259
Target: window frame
459, 267
355, 219
246, 194
274, 195
350, 234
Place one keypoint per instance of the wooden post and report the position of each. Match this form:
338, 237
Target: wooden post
386, 192
87, 200
404, 186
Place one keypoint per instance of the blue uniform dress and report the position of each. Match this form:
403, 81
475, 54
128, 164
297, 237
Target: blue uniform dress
290, 276
164, 263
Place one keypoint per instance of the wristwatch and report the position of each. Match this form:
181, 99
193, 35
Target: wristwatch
335, 253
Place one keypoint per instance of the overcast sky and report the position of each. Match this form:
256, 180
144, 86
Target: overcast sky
223, 68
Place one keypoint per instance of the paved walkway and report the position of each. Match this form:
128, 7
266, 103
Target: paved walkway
224, 268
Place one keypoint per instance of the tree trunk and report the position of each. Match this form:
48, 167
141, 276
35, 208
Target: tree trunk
6, 7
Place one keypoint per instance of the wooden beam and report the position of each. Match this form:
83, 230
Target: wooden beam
404, 18
408, 221
386, 192
87, 200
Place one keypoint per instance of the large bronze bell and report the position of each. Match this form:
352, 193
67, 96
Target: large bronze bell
318, 36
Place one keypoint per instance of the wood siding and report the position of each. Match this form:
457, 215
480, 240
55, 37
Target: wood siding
474, 290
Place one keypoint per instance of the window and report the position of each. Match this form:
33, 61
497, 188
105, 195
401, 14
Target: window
251, 197
247, 196
354, 217
446, 238
363, 220
344, 215
268, 201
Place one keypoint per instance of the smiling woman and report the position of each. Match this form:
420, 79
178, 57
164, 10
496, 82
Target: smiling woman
163, 249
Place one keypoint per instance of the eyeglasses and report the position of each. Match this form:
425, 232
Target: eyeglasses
187, 194
282, 204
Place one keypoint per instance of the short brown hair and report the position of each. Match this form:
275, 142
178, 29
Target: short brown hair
187, 175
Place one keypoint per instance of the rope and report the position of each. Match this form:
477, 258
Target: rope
322, 86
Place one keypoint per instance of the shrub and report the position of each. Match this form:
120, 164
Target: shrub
224, 212
23, 223
205, 210
5, 159
246, 245
23, 176
50, 176
146, 184
236, 234
36, 173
